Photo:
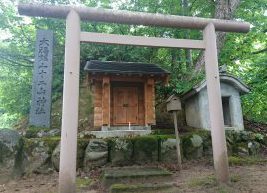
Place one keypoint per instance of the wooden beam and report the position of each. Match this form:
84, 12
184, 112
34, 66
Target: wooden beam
140, 41
215, 106
132, 18
149, 101
106, 101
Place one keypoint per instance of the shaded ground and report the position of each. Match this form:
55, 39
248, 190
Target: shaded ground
196, 177
255, 126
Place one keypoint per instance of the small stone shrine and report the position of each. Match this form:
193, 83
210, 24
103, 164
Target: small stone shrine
124, 95
196, 103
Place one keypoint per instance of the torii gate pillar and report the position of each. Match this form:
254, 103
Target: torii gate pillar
68, 149
219, 148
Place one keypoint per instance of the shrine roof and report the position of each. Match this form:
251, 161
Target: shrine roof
114, 67
224, 78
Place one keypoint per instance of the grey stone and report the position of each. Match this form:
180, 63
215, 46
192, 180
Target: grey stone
96, 154
121, 151
37, 156
126, 128
253, 148
196, 141
50, 133
41, 134
168, 151
85, 134
53, 132
42, 80
10, 146
193, 147
119, 133
145, 149
56, 157
135, 175
242, 151
10, 139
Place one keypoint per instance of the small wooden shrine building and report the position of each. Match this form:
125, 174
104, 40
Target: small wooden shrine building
123, 93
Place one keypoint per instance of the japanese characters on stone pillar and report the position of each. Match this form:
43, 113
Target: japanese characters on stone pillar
42, 80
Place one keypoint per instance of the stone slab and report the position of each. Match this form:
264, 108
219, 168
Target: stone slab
132, 127
119, 133
132, 175
42, 80
147, 187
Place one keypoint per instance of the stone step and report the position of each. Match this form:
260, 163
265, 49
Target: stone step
132, 127
132, 175
119, 133
146, 188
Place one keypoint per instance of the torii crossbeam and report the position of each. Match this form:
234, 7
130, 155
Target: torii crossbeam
74, 36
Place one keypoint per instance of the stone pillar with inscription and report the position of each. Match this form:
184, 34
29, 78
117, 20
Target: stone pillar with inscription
42, 80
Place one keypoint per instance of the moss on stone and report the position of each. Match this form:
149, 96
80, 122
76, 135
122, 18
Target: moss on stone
204, 134
19, 159
29, 144
146, 148
164, 132
126, 188
146, 143
51, 143
81, 147
192, 146
164, 137
31, 131
4, 152
135, 172
121, 151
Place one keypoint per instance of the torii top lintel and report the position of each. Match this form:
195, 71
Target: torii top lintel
129, 17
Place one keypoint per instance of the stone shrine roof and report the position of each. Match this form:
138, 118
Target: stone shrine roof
225, 78
113, 67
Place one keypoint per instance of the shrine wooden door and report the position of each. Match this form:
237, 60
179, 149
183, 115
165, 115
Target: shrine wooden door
125, 100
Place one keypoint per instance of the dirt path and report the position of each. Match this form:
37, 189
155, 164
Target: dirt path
244, 179
196, 177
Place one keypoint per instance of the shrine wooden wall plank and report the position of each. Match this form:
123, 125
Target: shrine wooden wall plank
97, 102
149, 102
106, 101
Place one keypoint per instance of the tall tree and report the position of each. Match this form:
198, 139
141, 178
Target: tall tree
224, 9
188, 52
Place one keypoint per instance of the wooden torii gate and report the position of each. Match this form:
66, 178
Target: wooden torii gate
74, 36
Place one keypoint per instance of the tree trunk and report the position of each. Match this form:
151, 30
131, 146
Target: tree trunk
188, 52
224, 9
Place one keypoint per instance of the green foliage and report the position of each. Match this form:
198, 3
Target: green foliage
246, 57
